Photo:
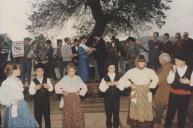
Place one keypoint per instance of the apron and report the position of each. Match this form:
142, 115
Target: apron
140, 109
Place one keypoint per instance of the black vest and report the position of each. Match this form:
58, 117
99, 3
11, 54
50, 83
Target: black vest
107, 78
42, 92
177, 85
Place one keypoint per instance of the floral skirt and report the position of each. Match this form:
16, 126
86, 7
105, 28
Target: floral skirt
73, 116
24, 118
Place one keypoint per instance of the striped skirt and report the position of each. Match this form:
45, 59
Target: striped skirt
73, 116
24, 118
140, 113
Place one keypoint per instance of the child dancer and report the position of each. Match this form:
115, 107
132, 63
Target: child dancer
181, 80
141, 80
41, 87
72, 87
110, 86
17, 114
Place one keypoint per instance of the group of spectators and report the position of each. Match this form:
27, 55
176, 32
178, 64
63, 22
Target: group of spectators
91, 60
100, 54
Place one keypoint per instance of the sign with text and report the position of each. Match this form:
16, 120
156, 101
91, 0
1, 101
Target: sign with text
18, 49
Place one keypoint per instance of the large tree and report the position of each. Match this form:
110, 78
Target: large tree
96, 16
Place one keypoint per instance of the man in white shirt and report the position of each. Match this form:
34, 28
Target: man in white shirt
66, 53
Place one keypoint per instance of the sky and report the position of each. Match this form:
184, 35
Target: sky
14, 18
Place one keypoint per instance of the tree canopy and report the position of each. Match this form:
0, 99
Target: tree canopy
98, 16
5, 43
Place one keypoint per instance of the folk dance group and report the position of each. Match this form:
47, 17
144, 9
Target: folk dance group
174, 90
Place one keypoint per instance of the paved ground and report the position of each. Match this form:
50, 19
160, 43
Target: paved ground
93, 108
94, 112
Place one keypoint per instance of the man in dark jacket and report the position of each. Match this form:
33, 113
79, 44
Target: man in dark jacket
114, 49
75, 51
100, 55
50, 64
154, 51
187, 44
166, 46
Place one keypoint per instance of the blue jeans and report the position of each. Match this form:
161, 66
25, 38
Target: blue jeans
26, 65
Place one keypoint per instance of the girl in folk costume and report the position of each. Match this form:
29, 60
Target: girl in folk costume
17, 114
41, 87
141, 80
162, 93
72, 87
110, 86
181, 80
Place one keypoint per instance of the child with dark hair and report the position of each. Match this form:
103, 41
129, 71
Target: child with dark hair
41, 87
141, 80
110, 86
181, 80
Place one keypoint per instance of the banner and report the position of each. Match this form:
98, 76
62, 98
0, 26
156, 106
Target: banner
18, 49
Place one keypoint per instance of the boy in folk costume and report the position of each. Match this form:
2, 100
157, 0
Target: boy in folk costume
181, 80
72, 87
110, 86
41, 87
141, 80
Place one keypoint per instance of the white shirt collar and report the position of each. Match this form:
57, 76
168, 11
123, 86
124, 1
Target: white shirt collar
182, 70
83, 46
40, 79
112, 76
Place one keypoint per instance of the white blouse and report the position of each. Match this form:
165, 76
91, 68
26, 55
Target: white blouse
32, 87
71, 85
11, 91
103, 85
84, 46
181, 72
140, 77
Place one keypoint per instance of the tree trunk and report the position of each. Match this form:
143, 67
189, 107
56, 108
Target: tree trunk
101, 19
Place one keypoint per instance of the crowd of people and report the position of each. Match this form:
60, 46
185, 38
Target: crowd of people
162, 76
